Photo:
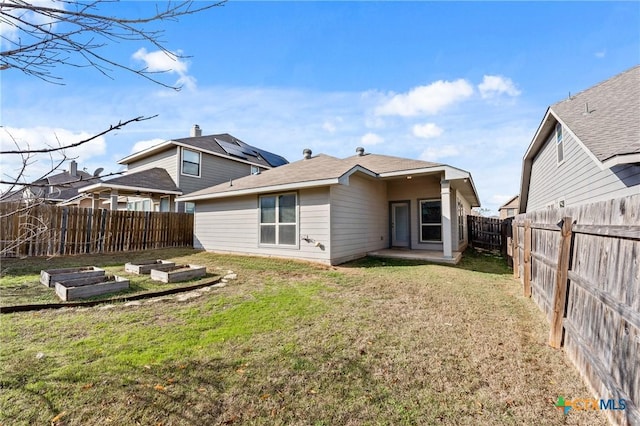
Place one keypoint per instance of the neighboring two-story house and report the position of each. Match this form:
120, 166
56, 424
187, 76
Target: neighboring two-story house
587, 147
156, 175
510, 208
57, 188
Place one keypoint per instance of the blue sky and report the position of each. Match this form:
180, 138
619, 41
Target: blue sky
464, 84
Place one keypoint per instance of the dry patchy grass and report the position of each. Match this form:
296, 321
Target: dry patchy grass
290, 343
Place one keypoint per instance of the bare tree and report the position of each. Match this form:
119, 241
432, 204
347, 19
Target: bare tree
41, 38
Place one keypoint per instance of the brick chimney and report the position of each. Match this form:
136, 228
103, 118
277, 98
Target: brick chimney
196, 131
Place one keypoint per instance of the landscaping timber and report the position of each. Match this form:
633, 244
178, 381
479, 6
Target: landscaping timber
178, 273
51, 276
145, 266
88, 287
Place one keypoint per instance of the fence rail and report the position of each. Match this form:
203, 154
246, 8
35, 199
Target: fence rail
581, 265
46, 230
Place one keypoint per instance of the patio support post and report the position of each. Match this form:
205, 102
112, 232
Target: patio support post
445, 199
95, 200
114, 200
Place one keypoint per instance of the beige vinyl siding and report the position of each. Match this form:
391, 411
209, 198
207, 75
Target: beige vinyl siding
213, 171
578, 179
418, 188
359, 218
231, 226
165, 160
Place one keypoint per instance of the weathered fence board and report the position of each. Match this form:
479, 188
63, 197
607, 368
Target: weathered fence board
489, 233
45, 230
597, 265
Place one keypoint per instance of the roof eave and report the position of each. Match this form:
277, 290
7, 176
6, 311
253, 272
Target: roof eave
622, 159
145, 152
106, 186
262, 189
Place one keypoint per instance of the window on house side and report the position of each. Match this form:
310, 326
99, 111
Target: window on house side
278, 220
189, 207
430, 220
164, 204
559, 143
255, 170
461, 220
190, 162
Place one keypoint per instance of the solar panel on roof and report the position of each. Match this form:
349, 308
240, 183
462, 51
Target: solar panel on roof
273, 159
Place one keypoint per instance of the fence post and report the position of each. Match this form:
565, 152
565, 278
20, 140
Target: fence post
63, 230
515, 251
527, 258
560, 290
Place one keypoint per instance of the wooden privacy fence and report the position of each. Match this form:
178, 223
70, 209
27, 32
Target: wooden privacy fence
489, 233
581, 265
45, 230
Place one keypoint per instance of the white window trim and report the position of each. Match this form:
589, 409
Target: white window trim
254, 170
420, 224
463, 217
182, 163
559, 144
276, 223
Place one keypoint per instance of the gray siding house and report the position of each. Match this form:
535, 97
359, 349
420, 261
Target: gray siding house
331, 210
155, 176
587, 147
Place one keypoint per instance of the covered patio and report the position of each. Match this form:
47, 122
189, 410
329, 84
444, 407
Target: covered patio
421, 255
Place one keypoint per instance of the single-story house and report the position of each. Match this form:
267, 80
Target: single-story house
587, 147
332, 210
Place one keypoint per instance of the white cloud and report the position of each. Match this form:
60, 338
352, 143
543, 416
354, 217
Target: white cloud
332, 125
371, 139
10, 29
434, 153
496, 85
500, 199
601, 54
428, 100
169, 62
23, 139
427, 131
142, 145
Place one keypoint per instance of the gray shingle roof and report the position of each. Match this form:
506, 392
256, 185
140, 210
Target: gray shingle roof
155, 178
65, 186
318, 168
606, 117
226, 144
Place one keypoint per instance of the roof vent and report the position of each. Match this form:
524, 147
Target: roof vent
196, 131
360, 151
306, 153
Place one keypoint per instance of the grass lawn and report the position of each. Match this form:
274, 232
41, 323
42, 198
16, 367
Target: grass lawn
369, 342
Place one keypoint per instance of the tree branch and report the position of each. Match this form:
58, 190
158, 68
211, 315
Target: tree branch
111, 128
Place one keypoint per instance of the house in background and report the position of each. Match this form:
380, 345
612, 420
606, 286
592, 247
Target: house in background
510, 208
59, 188
157, 175
587, 147
332, 210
